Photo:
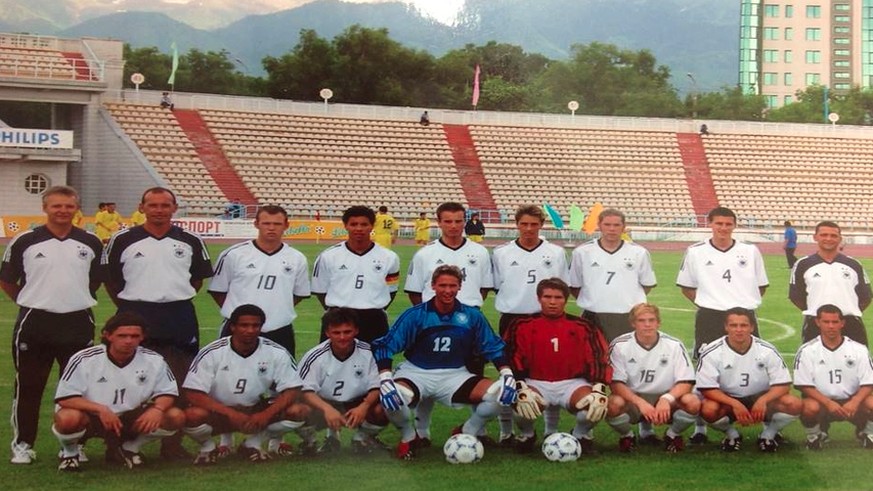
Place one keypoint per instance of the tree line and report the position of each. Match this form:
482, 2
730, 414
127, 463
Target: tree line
365, 66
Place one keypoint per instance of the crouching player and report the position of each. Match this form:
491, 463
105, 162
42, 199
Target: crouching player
835, 376
437, 337
651, 381
744, 379
117, 391
225, 385
559, 356
341, 384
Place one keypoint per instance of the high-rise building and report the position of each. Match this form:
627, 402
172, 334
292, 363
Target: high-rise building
788, 45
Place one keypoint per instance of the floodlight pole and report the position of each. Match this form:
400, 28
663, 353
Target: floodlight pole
693, 95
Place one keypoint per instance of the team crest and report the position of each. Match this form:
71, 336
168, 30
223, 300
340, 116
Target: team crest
547, 261
262, 367
663, 361
472, 260
359, 372
287, 267
846, 274
742, 261
760, 364
461, 318
82, 253
377, 266
850, 362
628, 264
140, 377
179, 252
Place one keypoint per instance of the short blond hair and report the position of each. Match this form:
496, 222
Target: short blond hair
641, 308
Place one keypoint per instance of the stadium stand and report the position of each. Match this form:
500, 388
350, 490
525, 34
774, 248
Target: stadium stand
40, 57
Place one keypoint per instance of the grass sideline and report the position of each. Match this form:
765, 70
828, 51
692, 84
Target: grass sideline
840, 466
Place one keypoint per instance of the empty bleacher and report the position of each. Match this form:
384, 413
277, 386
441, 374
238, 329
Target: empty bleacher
638, 172
159, 137
320, 164
802, 179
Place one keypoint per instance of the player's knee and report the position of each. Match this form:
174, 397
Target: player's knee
711, 411
789, 404
690, 403
810, 408
70, 421
174, 419
195, 416
868, 405
298, 412
376, 415
615, 405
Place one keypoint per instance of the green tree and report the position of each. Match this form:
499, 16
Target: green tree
729, 104
809, 107
154, 65
301, 73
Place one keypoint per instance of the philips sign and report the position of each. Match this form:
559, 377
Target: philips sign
27, 138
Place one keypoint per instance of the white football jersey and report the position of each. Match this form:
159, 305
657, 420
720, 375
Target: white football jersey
236, 380
837, 374
91, 374
652, 371
611, 282
841, 282
249, 275
339, 380
520, 270
724, 279
741, 374
358, 281
471, 257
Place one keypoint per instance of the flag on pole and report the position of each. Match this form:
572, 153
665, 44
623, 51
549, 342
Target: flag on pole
476, 87
593, 215
557, 221
172, 79
577, 218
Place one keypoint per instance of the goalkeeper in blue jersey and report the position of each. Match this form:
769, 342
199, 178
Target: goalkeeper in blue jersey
437, 337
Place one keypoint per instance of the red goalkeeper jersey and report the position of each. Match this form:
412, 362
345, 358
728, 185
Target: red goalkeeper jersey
558, 349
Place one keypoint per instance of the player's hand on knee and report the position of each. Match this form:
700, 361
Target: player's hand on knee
529, 402
505, 388
596, 402
388, 394
110, 421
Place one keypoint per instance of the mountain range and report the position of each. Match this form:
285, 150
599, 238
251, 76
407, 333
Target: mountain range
689, 36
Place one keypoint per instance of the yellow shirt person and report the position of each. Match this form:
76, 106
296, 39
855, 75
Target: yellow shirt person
138, 218
422, 229
107, 222
385, 229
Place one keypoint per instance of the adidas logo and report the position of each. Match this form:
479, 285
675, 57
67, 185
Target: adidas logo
343, 268
102, 380
251, 266
440, 261
40, 255
138, 255
816, 275
709, 263
595, 264
821, 362
225, 368
514, 263
728, 366
632, 361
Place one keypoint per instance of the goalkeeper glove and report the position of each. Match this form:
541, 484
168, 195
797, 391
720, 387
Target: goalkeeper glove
596, 403
529, 402
388, 394
508, 394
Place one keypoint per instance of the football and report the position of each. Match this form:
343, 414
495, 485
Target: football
561, 447
463, 449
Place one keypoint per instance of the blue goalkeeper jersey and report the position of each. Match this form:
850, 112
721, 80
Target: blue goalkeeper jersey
431, 340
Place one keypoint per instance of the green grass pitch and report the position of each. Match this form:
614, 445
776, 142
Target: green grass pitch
843, 465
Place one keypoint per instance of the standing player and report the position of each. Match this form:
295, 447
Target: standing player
789, 244
608, 276
137, 218
265, 272
117, 391
155, 270
341, 384
719, 274
422, 229
437, 337
107, 221
830, 277
52, 272
226, 384
518, 266
385, 228
563, 359
475, 265
835, 376
651, 380
743, 378
358, 274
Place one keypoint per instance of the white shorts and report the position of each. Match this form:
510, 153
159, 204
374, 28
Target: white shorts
439, 384
558, 393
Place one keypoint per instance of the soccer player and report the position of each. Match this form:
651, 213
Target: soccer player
358, 274
265, 272
341, 384
474, 228
52, 272
118, 391
475, 265
608, 276
564, 360
422, 229
518, 266
744, 379
137, 218
789, 244
451, 248
226, 383
437, 337
835, 376
719, 274
155, 270
385, 228
107, 221
830, 277
651, 380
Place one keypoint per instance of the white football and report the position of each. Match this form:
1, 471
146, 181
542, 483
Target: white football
561, 447
463, 449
